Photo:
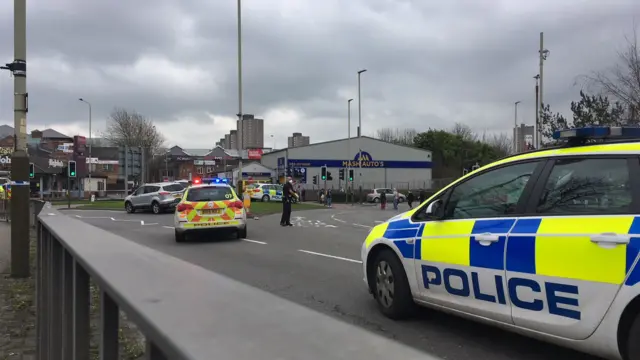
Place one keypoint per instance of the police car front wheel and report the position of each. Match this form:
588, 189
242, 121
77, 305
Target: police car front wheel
633, 347
390, 286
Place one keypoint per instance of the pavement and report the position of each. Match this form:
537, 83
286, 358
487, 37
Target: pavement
5, 246
316, 263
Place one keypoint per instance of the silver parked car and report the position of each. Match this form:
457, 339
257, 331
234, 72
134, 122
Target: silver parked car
157, 197
375, 194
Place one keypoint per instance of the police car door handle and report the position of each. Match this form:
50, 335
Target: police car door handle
611, 238
487, 237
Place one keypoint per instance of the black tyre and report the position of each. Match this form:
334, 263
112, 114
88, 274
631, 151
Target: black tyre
632, 351
242, 233
155, 207
180, 236
265, 198
128, 207
376, 200
390, 286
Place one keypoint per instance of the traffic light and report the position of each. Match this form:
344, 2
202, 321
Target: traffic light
32, 170
341, 172
329, 176
324, 173
315, 179
350, 174
72, 168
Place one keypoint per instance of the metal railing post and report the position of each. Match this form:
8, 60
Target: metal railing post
81, 308
55, 283
109, 318
67, 305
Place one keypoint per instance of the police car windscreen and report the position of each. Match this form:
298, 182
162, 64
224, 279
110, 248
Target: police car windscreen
213, 193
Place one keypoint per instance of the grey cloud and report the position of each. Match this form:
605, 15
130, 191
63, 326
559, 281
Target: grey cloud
430, 64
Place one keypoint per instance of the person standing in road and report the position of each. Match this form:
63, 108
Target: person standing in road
410, 199
422, 196
396, 198
287, 198
383, 201
328, 198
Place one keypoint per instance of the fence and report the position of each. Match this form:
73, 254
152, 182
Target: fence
207, 317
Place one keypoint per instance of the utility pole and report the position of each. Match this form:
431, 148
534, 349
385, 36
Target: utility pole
20, 158
544, 53
348, 147
90, 141
538, 132
515, 129
360, 133
241, 129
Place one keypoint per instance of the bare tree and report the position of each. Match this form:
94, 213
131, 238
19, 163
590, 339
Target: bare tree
404, 137
464, 131
129, 128
502, 143
622, 81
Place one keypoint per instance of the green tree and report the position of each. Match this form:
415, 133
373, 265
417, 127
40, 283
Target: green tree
549, 123
597, 110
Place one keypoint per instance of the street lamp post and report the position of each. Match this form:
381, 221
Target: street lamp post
360, 133
241, 128
544, 53
515, 128
348, 145
90, 143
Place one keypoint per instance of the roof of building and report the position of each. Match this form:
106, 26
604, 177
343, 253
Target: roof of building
53, 134
337, 140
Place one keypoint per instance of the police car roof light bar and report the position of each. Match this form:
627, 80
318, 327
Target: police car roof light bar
597, 132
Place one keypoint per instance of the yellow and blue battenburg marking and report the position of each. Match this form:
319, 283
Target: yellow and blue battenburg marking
536, 246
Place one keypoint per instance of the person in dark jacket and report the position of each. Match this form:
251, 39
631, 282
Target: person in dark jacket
422, 196
410, 199
383, 201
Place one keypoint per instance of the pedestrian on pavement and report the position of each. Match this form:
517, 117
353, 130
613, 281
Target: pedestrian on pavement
329, 198
383, 201
410, 199
287, 196
396, 198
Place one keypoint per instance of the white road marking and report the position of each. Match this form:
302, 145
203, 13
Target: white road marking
89, 210
330, 226
169, 227
331, 256
379, 221
254, 241
146, 224
360, 225
333, 216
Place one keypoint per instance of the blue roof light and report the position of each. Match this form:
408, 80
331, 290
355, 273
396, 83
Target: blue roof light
597, 132
217, 180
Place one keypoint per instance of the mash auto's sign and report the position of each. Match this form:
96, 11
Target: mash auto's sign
5, 160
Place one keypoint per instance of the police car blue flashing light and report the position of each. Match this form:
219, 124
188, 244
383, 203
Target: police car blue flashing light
218, 181
597, 132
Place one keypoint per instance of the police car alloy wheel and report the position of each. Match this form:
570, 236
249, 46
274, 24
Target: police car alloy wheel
265, 198
390, 286
632, 350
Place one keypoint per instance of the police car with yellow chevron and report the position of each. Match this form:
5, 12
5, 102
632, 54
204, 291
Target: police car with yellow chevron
544, 243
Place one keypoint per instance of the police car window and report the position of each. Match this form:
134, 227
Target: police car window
491, 194
587, 186
217, 193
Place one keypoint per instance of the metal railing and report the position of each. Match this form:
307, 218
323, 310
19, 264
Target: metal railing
185, 312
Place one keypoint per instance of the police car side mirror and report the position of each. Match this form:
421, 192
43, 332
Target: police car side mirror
434, 210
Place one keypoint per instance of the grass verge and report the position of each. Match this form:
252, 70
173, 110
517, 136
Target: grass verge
266, 208
18, 319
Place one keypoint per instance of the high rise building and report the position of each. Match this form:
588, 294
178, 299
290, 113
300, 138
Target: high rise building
233, 140
524, 137
251, 132
298, 140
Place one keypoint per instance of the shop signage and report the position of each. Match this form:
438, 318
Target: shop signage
5, 160
55, 163
254, 154
204, 162
6, 151
181, 158
66, 148
102, 162
367, 162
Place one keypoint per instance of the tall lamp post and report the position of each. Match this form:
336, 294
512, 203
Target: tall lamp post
515, 128
360, 132
544, 53
241, 128
90, 143
348, 145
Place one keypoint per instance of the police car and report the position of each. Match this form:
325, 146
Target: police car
265, 192
544, 243
209, 207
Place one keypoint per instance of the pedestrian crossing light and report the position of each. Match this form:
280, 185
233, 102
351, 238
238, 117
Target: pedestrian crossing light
315, 179
324, 173
329, 177
341, 174
350, 174
72, 168
32, 171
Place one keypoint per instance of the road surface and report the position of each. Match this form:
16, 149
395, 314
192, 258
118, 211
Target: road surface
316, 263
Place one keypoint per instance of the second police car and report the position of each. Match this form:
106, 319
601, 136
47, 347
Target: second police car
210, 207
265, 192
544, 243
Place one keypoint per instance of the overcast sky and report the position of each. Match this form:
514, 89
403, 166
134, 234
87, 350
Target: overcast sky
430, 64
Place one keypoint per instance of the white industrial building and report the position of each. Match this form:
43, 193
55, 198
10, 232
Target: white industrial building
383, 164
